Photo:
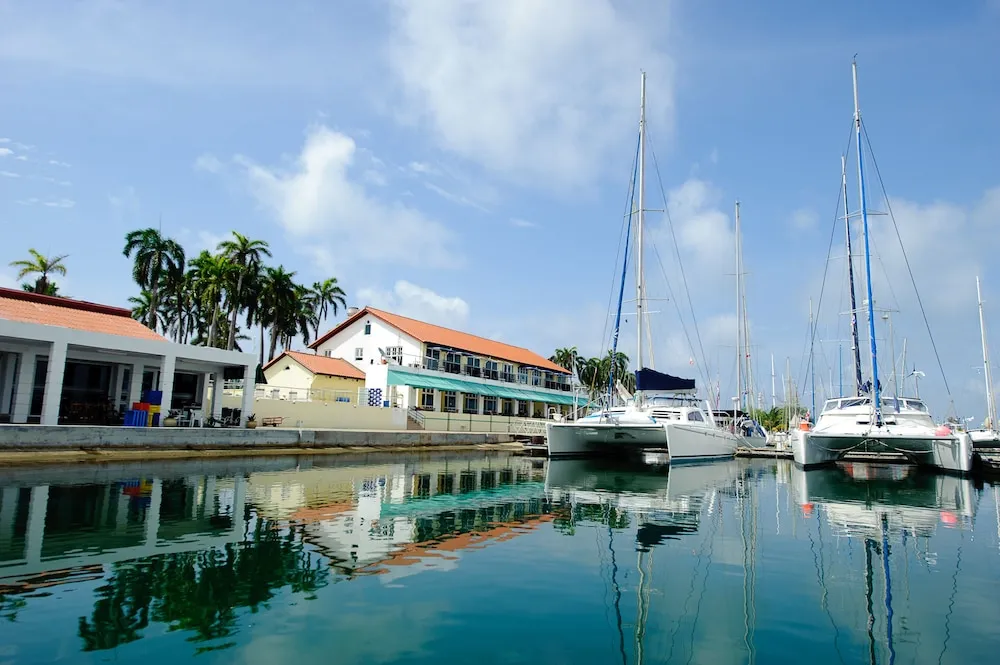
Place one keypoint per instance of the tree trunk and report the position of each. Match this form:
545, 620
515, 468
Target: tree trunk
261, 344
236, 308
42, 285
213, 324
274, 342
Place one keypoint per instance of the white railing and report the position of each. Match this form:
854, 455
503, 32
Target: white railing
298, 394
416, 416
527, 427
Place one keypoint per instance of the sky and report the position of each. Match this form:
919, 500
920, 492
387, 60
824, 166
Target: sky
467, 162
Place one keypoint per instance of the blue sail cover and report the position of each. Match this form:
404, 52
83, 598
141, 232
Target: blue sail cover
653, 381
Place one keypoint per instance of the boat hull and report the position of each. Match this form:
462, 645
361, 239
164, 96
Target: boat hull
951, 453
682, 442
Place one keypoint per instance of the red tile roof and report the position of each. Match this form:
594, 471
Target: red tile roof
24, 307
322, 365
431, 334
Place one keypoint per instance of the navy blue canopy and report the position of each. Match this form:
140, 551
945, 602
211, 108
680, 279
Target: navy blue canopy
651, 380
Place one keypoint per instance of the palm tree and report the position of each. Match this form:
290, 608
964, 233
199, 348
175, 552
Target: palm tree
154, 255
211, 274
565, 358
42, 266
326, 295
278, 301
51, 289
143, 310
178, 308
245, 256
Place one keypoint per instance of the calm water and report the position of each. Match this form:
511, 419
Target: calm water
466, 558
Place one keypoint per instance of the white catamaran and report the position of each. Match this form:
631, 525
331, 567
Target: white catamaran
866, 421
664, 413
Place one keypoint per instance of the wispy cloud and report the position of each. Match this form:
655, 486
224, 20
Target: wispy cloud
453, 197
60, 203
522, 223
56, 162
804, 219
418, 302
10, 174
22, 158
6, 151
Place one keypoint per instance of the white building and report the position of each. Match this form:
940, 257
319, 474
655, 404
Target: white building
416, 365
65, 361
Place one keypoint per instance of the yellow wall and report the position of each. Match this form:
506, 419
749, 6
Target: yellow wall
341, 383
322, 415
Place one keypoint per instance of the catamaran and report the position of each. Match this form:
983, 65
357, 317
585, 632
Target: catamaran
665, 412
866, 421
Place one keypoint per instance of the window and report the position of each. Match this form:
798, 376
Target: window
427, 399
453, 363
431, 358
472, 366
489, 405
522, 375
293, 395
359, 353
508, 373
450, 401
395, 354
536, 377
695, 416
508, 407
471, 404
368, 328
491, 370
275, 393
522, 409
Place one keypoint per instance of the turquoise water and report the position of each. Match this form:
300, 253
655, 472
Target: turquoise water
465, 558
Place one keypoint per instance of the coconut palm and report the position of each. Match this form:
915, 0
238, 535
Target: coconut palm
143, 310
565, 358
211, 274
278, 303
42, 266
245, 255
51, 289
325, 296
154, 255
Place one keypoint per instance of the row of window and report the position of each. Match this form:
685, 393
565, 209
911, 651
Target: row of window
393, 353
492, 406
492, 369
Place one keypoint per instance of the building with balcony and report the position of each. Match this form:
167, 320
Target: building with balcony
416, 365
297, 376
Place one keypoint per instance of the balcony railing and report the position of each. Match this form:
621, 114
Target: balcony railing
451, 367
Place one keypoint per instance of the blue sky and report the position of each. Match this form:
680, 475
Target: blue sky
466, 162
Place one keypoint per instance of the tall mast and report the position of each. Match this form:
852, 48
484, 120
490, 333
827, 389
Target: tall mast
876, 393
640, 287
850, 278
739, 315
774, 395
812, 360
991, 407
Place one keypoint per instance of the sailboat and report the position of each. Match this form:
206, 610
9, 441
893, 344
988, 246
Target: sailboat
865, 421
988, 436
665, 412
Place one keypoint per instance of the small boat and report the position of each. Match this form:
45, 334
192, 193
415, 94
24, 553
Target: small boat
867, 421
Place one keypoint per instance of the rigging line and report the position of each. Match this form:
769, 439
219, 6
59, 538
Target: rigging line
829, 251
906, 260
626, 224
680, 263
617, 590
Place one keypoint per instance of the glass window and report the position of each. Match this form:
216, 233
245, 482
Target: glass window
508, 407
395, 353
368, 328
536, 377
453, 363
426, 399
695, 416
472, 366
327, 353
450, 399
522, 375
471, 404
491, 370
359, 353
431, 358
508, 373
522, 409
489, 405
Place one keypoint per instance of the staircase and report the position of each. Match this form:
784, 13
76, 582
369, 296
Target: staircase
414, 419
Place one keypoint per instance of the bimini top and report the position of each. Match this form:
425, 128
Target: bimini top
649, 380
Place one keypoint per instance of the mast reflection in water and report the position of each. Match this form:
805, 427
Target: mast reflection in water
497, 559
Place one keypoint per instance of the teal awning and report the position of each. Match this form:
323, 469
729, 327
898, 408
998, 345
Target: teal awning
399, 377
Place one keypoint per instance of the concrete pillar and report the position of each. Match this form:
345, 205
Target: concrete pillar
239, 506
25, 383
8, 371
54, 384
166, 384
8, 512
246, 408
153, 515
206, 380
36, 523
135, 384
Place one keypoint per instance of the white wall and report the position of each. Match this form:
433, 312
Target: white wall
287, 375
344, 343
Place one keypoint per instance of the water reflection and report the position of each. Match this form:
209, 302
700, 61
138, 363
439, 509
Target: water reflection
728, 562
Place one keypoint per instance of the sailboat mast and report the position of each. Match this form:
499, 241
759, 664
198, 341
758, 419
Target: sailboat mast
876, 393
812, 360
739, 314
850, 278
774, 394
991, 407
640, 286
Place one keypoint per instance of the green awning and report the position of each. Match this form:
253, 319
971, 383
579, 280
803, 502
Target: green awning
398, 377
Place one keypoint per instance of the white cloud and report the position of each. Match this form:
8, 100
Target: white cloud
10, 174
804, 219
453, 197
208, 163
319, 202
196, 241
6, 151
522, 223
4, 139
59, 203
56, 162
418, 302
540, 91
21, 158
423, 167
704, 233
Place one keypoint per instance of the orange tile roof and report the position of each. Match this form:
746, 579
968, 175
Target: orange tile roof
431, 334
25, 307
322, 365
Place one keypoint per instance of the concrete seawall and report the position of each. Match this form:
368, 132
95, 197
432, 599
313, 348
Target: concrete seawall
37, 441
